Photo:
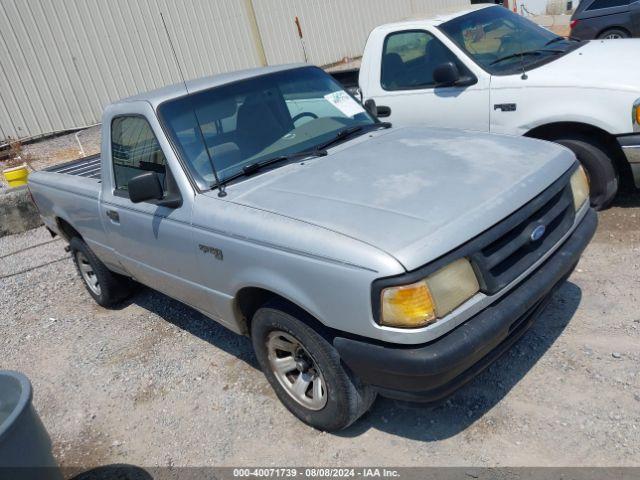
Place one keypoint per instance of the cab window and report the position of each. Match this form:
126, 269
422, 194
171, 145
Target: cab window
135, 150
409, 59
256, 119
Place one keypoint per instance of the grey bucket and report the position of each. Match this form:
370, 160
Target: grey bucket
25, 447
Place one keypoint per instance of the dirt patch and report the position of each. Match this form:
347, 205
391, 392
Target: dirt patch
86, 449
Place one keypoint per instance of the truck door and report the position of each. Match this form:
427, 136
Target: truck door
154, 243
404, 88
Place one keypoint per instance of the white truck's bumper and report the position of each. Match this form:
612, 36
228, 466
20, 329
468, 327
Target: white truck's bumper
631, 147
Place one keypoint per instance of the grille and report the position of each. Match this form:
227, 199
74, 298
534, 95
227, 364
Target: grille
507, 250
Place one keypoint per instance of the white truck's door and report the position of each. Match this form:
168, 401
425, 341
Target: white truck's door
401, 80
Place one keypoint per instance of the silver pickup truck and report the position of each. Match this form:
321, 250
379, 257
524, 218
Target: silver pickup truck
359, 258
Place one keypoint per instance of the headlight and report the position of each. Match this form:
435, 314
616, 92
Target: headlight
422, 303
635, 114
579, 187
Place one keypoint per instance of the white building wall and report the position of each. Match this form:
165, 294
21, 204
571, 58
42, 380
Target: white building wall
543, 7
62, 61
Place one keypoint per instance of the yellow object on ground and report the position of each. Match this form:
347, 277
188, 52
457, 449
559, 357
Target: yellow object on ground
16, 176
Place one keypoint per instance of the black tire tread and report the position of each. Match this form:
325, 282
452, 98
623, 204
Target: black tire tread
349, 399
113, 287
599, 164
624, 33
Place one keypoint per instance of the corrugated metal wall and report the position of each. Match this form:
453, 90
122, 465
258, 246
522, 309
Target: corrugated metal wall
332, 29
61, 61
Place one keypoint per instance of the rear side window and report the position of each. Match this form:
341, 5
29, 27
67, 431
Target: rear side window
409, 59
135, 150
599, 4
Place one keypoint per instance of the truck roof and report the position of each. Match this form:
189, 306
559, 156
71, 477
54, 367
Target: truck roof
433, 20
156, 97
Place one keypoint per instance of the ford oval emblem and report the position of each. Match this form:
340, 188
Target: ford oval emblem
538, 233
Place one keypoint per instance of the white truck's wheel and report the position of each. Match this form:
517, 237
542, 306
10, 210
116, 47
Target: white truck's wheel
603, 178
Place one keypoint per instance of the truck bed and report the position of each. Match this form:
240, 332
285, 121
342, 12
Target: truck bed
72, 187
83, 167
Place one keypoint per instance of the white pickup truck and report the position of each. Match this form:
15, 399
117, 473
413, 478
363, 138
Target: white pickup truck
488, 69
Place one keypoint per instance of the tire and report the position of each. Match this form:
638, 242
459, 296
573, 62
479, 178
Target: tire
614, 33
344, 399
106, 288
598, 164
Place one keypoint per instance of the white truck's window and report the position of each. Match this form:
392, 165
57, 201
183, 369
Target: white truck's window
134, 150
409, 59
504, 43
259, 118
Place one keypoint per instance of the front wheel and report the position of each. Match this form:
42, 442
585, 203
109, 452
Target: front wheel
305, 370
598, 164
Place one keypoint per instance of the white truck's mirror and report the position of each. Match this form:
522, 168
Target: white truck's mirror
370, 106
446, 74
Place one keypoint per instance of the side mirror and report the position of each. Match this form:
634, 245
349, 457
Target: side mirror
378, 112
145, 187
446, 74
370, 106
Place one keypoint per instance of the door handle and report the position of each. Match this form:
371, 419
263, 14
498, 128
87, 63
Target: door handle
113, 215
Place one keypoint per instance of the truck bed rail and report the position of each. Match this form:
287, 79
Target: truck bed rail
83, 167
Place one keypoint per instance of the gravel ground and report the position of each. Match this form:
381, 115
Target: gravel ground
154, 383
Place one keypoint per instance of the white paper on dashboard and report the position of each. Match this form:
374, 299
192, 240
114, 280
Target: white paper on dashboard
345, 103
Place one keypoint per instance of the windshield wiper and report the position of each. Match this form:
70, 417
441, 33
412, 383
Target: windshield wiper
554, 40
252, 168
524, 54
319, 151
349, 132
341, 135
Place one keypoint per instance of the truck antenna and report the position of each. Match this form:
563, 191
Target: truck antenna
221, 188
520, 47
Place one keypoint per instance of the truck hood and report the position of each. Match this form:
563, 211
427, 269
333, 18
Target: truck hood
605, 64
414, 193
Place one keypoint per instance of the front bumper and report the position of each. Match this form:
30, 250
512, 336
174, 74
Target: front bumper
631, 147
433, 371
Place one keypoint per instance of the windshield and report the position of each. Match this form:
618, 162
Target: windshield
494, 37
257, 119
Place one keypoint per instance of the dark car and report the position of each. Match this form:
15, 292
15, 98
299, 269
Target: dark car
606, 19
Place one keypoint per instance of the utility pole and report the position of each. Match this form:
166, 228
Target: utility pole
301, 36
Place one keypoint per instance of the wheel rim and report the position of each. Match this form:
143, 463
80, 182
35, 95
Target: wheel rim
613, 36
296, 370
88, 275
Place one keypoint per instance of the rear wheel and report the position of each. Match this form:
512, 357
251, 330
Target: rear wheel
305, 370
106, 288
614, 34
599, 166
